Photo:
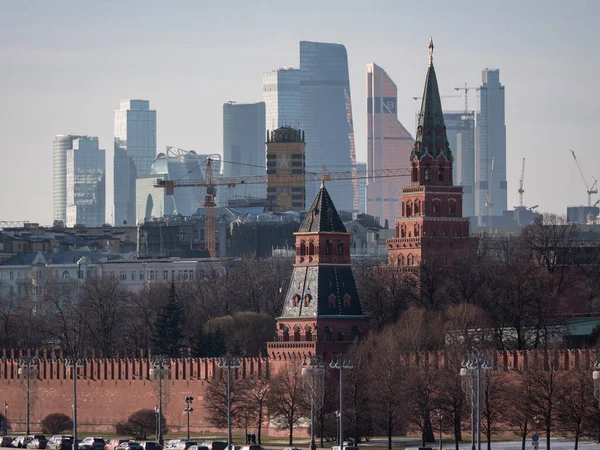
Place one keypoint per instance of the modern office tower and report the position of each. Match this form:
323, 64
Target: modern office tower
244, 147
86, 183
285, 170
326, 118
460, 131
135, 150
361, 175
62, 143
174, 164
491, 145
281, 93
388, 145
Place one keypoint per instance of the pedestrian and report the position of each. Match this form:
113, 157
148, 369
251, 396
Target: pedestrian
253, 438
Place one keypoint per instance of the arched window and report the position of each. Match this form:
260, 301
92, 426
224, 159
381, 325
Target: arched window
450, 210
327, 334
435, 208
444, 233
441, 173
401, 260
403, 231
408, 208
355, 334
328, 247
340, 250
66, 275
297, 333
426, 173
417, 207
311, 248
410, 260
417, 230
414, 173
286, 334
308, 333
340, 337
302, 248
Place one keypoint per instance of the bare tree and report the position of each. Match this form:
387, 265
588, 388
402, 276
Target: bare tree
216, 398
518, 394
575, 403
254, 399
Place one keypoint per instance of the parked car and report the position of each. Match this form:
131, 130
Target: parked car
215, 445
346, 447
180, 444
6, 441
114, 443
129, 445
151, 445
253, 447
36, 441
92, 443
199, 447
291, 448
59, 442
21, 441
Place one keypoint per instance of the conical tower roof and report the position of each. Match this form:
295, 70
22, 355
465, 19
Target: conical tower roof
431, 131
322, 216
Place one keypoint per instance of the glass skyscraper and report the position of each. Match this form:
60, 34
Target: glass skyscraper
85, 183
244, 151
491, 144
135, 150
388, 146
281, 93
326, 118
460, 131
62, 143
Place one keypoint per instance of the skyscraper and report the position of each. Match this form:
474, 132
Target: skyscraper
460, 130
361, 173
326, 118
62, 143
244, 136
491, 145
135, 150
85, 182
388, 145
281, 93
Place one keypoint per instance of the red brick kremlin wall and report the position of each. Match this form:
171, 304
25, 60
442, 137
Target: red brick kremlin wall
109, 390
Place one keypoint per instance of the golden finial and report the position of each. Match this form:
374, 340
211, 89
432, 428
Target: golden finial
430, 51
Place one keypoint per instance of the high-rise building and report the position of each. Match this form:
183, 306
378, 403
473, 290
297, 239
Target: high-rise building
460, 130
491, 146
431, 225
244, 132
135, 150
281, 93
62, 143
85, 183
326, 117
388, 145
361, 174
285, 170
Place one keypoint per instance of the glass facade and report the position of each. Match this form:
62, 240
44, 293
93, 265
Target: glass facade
361, 173
326, 118
281, 93
491, 144
244, 137
62, 143
460, 131
86, 183
135, 150
388, 146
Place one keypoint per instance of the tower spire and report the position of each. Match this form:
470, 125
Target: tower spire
430, 51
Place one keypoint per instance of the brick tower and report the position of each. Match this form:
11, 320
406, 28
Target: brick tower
432, 223
322, 314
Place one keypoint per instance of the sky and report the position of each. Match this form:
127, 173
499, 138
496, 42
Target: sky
65, 65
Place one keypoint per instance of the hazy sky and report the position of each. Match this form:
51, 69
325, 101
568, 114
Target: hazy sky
66, 64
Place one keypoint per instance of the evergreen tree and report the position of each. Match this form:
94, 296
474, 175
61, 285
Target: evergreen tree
168, 327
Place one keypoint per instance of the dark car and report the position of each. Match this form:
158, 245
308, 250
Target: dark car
129, 445
37, 441
215, 445
92, 443
60, 443
151, 445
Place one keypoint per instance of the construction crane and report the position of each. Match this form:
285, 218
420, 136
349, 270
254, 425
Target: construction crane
521, 190
593, 189
488, 195
441, 96
211, 189
466, 89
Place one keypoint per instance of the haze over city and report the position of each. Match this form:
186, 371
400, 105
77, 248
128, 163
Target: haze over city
67, 64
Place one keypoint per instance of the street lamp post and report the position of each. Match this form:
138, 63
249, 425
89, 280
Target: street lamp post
440, 416
472, 368
188, 409
6, 418
161, 367
28, 369
313, 368
341, 364
156, 421
229, 363
74, 365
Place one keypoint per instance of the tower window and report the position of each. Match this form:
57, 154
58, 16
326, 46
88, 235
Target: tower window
340, 248
435, 208
426, 173
417, 207
327, 247
415, 174
327, 334
441, 174
450, 210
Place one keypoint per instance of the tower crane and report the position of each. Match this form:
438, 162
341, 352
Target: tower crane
593, 189
210, 183
489, 194
441, 96
521, 190
466, 89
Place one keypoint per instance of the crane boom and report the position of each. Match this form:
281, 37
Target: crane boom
594, 188
466, 89
521, 190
